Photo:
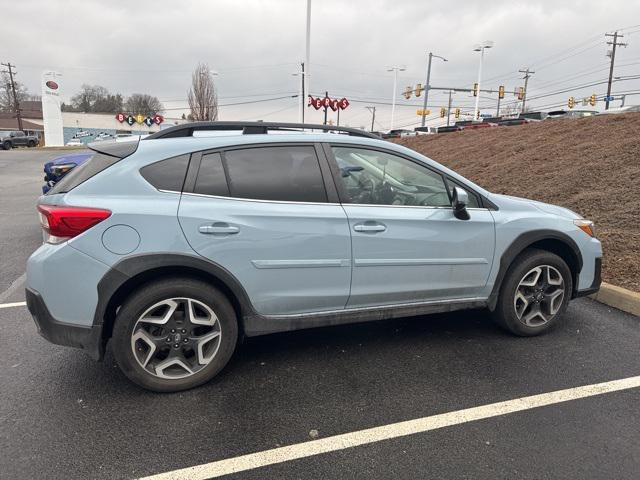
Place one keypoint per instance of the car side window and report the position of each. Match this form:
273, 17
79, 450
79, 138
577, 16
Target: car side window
211, 179
372, 177
167, 174
288, 173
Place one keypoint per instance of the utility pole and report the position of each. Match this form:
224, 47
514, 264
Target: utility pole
302, 96
16, 103
498, 107
426, 85
449, 108
326, 95
426, 88
615, 44
527, 74
373, 117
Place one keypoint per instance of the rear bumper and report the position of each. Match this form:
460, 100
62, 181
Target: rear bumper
597, 280
87, 338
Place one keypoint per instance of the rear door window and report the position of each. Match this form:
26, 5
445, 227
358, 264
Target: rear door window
287, 173
211, 178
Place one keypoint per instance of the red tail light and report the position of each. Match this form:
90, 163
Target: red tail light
61, 223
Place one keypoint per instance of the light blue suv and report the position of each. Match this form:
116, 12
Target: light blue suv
175, 246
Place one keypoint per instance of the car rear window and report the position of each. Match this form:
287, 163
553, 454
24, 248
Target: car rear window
84, 172
107, 154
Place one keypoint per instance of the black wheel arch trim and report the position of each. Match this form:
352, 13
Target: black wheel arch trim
112, 287
526, 240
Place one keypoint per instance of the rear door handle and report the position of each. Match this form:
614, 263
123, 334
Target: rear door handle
369, 227
218, 228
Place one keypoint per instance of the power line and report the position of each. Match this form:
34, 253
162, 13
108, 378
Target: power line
241, 103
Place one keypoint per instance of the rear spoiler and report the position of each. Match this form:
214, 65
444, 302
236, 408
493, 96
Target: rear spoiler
115, 149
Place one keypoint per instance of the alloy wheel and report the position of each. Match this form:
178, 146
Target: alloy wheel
539, 295
176, 338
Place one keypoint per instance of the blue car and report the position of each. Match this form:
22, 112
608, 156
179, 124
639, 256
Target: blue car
174, 247
59, 167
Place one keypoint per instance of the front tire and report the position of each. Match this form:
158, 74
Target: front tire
174, 334
6, 145
31, 144
534, 294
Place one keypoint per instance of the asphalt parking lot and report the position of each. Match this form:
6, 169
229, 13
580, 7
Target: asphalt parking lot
63, 415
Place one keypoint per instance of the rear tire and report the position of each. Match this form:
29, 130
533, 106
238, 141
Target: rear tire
31, 144
174, 334
534, 294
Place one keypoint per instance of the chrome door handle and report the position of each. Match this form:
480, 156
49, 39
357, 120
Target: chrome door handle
218, 228
363, 227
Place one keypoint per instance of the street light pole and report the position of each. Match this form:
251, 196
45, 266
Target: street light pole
307, 62
449, 108
395, 71
480, 48
426, 86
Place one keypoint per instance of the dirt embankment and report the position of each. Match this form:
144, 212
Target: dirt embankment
591, 166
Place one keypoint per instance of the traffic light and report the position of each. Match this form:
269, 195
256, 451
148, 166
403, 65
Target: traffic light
407, 92
572, 102
422, 112
419, 89
443, 112
475, 89
457, 113
592, 100
501, 91
520, 93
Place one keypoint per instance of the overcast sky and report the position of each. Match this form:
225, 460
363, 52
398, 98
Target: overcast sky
256, 46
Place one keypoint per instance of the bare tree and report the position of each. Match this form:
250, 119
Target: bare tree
95, 99
203, 97
144, 104
7, 103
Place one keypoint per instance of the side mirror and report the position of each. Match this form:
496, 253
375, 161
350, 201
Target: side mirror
459, 203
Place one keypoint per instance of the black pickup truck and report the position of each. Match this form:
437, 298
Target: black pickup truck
10, 139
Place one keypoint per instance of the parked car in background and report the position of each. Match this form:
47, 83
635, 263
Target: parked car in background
16, 138
426, 130
399, 132
478, 125
534, 116
509, 122
56, 169
449, 129
174, 247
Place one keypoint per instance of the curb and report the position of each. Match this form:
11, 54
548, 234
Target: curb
619, 298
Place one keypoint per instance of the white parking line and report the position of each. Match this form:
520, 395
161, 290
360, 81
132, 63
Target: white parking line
14, 304
15, 285
394, 430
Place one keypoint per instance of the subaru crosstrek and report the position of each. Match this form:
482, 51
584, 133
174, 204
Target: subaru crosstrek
173, 247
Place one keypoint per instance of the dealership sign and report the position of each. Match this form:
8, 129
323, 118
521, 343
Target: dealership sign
139, 118
51, 109
327, 102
